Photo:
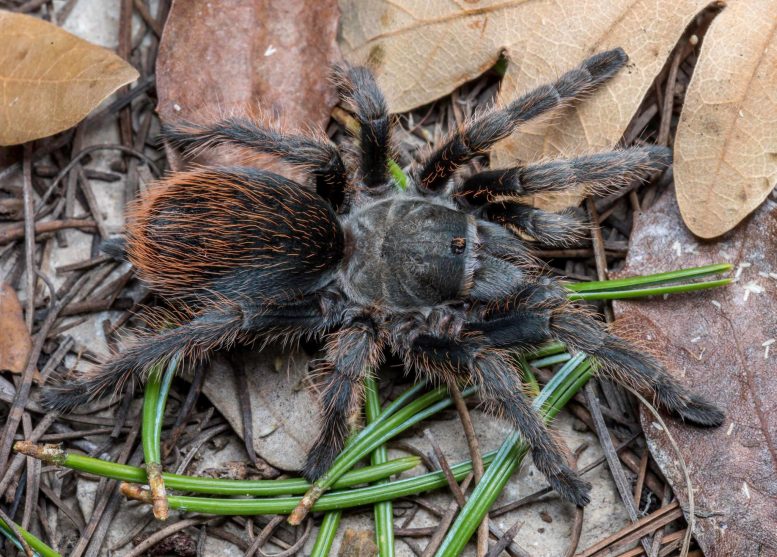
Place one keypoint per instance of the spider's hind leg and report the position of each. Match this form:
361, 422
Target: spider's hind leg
192, 340
319, 155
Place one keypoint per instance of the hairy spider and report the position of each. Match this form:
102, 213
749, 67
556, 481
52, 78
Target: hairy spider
435, 273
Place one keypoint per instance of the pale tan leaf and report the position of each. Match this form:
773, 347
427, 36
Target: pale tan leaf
422, 50
726, 145
49, 79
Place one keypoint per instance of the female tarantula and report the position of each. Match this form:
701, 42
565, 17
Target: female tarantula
435, 272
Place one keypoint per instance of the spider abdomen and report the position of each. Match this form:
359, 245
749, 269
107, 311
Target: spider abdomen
236, 233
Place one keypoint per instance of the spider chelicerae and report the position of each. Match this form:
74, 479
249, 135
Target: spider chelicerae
435, 272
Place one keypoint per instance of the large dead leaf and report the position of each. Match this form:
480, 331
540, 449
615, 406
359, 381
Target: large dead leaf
49, 79
422, 50
15, 342
234, 56
720, 344
726, 146
282, 407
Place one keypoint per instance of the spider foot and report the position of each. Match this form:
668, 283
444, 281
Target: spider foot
699, 412
571, 487
319, 460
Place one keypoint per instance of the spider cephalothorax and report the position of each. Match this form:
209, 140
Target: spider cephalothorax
435, 273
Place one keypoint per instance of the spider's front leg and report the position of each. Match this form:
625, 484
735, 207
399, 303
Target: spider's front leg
500, 194
555, 318
351, 353
476, 137
357, 87
468, 358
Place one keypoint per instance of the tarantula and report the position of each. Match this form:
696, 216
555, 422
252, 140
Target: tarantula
436, 272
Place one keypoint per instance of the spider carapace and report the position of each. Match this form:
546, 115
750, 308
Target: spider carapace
440, 272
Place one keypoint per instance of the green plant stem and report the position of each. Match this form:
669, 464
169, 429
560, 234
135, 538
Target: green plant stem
644, 292
552, 398
335, 500
54, 455
154, 402
658, 278
384, 511
564, 384
373, 436
35, 544
326, 534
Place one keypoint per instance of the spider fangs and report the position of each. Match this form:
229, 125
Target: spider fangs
434, 273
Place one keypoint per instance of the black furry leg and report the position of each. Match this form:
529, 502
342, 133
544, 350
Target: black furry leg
541, 312
618, 359
598, 174
357, 87
502, 391
479, 135
351, 352
192, 340
319, 155
551, 229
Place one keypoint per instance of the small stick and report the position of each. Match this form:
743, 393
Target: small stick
505, 540
29, 234
477, 461
17, 231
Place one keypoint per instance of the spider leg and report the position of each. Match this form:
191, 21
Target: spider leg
320, 156
357, 87
481, 133
553, 317
598, 173
193, 340
350, 354
450, 359
551, 229
211, 329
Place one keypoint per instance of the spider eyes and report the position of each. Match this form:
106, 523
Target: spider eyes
458, 244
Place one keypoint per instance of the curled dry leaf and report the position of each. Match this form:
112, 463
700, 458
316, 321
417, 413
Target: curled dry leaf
50, 79
723, 343
15, 341
726, 145
236, 57
422, 50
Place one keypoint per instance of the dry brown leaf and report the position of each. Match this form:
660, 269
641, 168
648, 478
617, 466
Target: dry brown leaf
723, 343
726, 145
234, 57
50, 79
422, 50
15, 341
282, 408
